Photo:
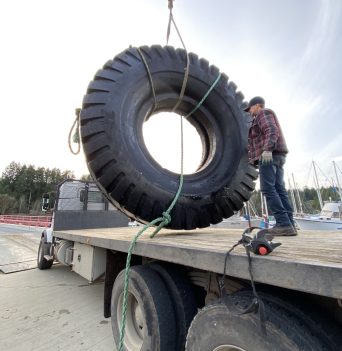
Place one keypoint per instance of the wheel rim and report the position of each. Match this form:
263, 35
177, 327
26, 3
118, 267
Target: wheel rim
135, 323
228, 348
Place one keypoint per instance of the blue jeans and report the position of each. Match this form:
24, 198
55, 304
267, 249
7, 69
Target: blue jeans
272, 185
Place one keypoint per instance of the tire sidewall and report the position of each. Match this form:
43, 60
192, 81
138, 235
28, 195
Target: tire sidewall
182, 297
118, 102
221, 327
139, 289
43, 249
124, 129
40, 253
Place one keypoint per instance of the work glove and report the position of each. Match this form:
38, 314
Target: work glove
266, 157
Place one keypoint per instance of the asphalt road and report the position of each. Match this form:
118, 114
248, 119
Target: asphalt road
17, 229
18, 247
53, 309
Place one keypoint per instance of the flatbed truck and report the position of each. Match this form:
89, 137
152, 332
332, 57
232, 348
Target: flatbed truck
175, 296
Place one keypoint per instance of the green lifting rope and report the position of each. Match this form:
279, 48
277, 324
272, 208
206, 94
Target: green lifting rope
164, 220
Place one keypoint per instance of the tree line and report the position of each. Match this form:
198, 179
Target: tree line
22, 187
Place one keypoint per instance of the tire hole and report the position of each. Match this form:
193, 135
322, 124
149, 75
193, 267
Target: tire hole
162, 137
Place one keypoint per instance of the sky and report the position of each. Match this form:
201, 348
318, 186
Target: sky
289, 52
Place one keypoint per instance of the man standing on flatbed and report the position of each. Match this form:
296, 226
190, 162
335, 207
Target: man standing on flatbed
268, 150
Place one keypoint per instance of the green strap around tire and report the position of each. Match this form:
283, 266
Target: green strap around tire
164, 220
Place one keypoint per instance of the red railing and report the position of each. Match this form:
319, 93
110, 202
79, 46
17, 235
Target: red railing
35, 221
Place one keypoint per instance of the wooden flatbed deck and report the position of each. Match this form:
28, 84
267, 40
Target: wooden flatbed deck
310, 262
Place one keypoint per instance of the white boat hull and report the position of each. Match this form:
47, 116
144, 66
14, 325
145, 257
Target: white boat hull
318, 224
237, 223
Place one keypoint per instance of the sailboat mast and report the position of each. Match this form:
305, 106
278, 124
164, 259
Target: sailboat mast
262, 203
298, 195
317, 186
292, 197
265, 207
337, 181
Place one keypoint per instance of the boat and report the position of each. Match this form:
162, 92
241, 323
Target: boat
330, 218
246, 217
240, 222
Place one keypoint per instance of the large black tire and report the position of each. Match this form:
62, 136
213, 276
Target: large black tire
221, 327
182, 297
117, 103
318, 319
43, 249
150, 321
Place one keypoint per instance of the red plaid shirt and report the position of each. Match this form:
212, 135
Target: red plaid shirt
265, 135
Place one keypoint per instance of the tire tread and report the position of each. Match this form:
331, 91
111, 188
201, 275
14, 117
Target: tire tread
122, 181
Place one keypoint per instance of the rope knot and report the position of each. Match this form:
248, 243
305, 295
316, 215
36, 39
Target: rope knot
166, 218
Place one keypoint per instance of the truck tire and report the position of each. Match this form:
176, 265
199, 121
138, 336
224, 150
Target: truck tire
221, 327
150, 321
119, 100
43, 249
318, 320
182, 297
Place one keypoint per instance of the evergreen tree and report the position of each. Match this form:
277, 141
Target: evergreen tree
22, 187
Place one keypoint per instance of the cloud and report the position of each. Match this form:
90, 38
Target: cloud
323, 31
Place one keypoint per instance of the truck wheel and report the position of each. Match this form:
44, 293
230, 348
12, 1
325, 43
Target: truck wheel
118, 102
221, 327
43, 249
182, 297
150, 318
319, 322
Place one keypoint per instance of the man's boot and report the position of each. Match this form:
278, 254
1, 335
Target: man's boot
282, 231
